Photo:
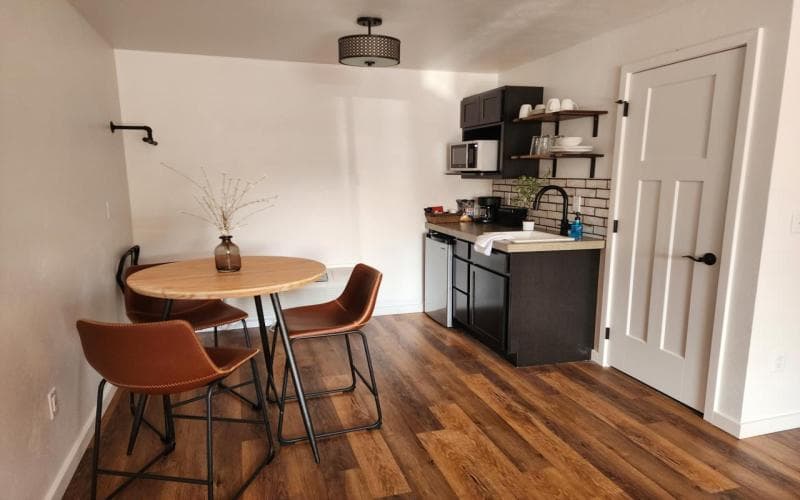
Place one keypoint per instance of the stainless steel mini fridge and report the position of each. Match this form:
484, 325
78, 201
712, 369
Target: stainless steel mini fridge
438, 300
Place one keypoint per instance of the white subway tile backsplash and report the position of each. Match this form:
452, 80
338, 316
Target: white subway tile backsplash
594, 212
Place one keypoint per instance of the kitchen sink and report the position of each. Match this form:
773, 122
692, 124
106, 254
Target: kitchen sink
532, 236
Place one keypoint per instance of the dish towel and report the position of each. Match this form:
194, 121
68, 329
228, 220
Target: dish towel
484, 242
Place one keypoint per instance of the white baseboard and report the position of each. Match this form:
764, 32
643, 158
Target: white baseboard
769, 425
73, 458
398, 308
757, 427
724, 422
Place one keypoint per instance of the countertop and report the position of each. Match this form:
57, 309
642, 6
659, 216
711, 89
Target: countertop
470, 231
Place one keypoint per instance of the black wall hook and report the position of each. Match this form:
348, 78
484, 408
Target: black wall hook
148, 139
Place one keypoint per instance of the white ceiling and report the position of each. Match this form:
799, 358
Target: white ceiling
460, 35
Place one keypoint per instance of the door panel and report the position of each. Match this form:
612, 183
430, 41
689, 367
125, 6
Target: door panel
662, 139
470, 111
491, 106
688, 195
461, 307
642, 257
673, 185
488, 299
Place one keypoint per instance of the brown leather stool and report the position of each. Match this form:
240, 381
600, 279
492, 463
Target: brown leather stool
344, 316
165, 358
201, 314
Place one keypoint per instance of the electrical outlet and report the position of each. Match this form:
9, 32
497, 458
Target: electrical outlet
796, 221
52, 403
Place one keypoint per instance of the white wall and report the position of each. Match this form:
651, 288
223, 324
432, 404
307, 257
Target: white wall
773, 368
589, 73
353, 154
59, 164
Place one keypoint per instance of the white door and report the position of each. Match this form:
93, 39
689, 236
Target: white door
673, 186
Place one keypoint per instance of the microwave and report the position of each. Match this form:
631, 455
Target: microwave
473, 156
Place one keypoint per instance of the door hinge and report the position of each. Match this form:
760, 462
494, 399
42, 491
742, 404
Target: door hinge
615, 227
608, 333
624, 107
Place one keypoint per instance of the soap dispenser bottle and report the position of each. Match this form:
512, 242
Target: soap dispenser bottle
576, 228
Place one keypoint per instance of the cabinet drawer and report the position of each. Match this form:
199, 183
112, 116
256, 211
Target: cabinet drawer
497, 261
461, 274
462, 249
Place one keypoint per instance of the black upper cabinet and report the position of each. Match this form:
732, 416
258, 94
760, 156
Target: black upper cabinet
489, 115
470, 112
482, 109
491, 106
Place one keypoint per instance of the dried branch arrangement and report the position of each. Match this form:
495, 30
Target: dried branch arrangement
225, 207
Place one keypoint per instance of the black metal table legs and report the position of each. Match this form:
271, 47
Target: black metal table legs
268, 355
280, 329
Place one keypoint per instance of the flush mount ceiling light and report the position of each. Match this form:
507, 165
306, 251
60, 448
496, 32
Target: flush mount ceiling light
369, 50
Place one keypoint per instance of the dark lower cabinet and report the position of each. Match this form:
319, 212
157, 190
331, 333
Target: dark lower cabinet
531, 308
489, 301
460, 307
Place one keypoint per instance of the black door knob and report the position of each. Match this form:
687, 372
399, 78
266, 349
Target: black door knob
708, 259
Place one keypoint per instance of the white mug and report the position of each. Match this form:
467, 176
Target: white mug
528, 225
553, 105
568, 105
525, 110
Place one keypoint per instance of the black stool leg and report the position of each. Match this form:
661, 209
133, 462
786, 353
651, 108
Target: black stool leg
246, 334
137, 422
271, 450
96, 450
169, 423
209, 442
352, 386
374, 388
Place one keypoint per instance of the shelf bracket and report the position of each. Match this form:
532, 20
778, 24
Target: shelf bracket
558, 123
596, 123
591, 168
555, 167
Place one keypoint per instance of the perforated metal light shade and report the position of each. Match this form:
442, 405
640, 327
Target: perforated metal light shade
369, 50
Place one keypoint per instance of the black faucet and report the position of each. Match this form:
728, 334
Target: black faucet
564, 222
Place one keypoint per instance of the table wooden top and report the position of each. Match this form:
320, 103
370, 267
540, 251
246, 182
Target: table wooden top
199, 279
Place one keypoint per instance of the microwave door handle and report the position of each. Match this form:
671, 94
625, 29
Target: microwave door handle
474, 149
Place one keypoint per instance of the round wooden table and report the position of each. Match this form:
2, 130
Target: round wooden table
260, 275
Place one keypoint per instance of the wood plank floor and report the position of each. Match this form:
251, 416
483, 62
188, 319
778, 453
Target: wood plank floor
461, 423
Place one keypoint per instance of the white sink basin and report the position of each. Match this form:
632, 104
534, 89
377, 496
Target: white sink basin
532, 236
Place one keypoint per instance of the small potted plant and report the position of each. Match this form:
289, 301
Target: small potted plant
527, 187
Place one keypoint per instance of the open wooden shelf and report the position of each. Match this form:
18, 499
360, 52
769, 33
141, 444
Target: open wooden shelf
560, 116
556, 156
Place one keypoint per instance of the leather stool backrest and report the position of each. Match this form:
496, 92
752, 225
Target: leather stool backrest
361, 292
154, 358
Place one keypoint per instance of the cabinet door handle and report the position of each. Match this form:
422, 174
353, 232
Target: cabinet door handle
708, 258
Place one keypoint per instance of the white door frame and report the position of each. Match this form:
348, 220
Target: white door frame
751, 41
